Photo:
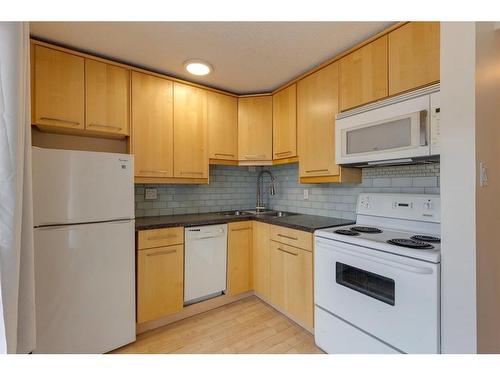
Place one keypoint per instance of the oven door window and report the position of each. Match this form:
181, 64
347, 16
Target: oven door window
368, 283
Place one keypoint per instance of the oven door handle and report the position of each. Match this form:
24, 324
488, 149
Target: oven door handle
389, 263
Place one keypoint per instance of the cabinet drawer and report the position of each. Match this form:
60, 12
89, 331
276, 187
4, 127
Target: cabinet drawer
292, 237
160, 237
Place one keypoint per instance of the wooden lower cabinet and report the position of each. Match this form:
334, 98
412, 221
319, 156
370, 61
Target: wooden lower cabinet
160, 282
261, 258
291, 282
239, 257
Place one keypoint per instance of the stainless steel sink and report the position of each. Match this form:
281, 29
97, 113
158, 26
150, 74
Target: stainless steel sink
278, 214
233, 213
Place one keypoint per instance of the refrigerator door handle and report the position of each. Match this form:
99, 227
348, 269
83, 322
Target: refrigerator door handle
55, 226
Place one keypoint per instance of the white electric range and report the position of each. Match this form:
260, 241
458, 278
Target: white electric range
377, 282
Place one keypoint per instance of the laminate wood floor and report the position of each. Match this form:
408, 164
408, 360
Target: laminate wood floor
245, 326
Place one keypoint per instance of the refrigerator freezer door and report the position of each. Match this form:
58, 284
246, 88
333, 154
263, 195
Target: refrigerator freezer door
84, 287
80, 186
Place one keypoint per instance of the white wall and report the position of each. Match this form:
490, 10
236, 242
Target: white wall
458, 174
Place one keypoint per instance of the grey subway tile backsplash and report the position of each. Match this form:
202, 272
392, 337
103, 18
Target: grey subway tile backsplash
233, 188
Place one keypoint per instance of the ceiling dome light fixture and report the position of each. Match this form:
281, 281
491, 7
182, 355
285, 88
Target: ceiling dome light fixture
197, 67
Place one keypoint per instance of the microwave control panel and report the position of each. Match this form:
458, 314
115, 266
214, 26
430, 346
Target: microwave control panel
434, 123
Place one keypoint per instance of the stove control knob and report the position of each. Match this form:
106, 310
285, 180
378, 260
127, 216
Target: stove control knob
428, 205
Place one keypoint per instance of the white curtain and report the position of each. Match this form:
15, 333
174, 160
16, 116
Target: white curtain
17, 297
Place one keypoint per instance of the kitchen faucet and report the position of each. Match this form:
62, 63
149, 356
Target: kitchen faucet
272, 189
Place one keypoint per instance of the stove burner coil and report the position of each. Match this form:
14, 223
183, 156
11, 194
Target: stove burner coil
405, 242
363, 229
347, 232
426, 238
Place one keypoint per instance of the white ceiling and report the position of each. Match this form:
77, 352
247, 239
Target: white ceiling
248, 57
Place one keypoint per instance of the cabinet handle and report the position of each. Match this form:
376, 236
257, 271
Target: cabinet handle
152, 171
197, 173
289, 237
224, 154
238, 229
105, 126
69, 122
162, 237
316, 170
288, 252
283, 153
255, 156
164, 252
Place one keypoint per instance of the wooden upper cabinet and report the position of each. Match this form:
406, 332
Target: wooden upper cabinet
285, 123
363, 75
107, 97
317, 105
59, 89
255, 128
152, 126
190, 132
413, 56
222, 126
239, 257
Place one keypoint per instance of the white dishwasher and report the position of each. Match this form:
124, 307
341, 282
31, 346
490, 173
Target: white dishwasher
205, 262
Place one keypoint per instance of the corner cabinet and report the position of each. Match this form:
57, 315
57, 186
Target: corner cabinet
190, 132
285, 123
152, 127
222, 126
413, 56
317, 106
255, 129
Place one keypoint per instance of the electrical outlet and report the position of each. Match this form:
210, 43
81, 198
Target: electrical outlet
306, 194
483, 175
150, 194
251, 169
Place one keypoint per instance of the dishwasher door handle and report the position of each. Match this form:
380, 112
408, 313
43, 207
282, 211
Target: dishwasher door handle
203, 238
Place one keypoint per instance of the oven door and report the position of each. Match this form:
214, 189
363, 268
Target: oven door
394, 298
397, 131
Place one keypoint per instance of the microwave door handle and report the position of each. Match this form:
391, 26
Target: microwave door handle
423, 127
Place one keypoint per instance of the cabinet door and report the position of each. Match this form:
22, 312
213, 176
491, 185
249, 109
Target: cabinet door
277, 276
261, 258
239, 257
107, 97
299, 284
285, 123
152, 126
317, 105
363, 75
413, 56
160, 288
255, 128
222, 126
59, 88
190, 132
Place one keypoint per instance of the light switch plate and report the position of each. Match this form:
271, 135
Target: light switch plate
150, 194
306, 194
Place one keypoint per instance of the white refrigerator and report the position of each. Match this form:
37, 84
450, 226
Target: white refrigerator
83, 207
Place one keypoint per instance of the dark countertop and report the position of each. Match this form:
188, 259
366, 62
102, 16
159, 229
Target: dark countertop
308, 223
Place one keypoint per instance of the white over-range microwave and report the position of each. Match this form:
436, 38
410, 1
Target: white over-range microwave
398, 130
